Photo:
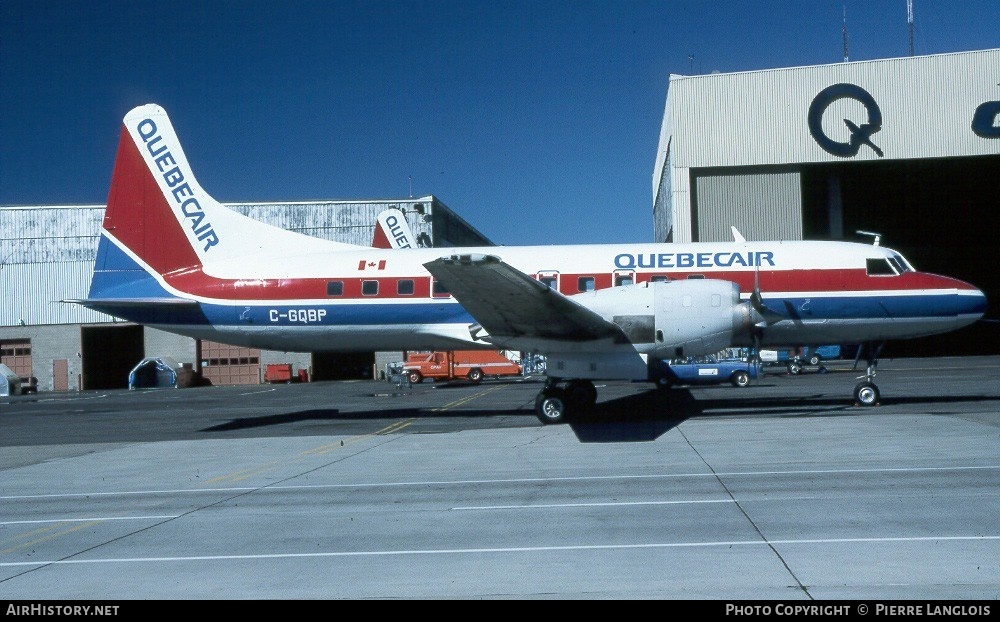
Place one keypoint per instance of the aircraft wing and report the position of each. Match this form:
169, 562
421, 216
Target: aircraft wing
508, 303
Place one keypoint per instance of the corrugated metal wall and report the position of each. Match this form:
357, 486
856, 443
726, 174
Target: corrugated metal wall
350, 222
35, 290
761, 117
49, 234
47, 255
763, 206
663, 210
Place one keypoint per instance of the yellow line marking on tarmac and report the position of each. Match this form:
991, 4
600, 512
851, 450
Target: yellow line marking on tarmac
240, 475
465, 400
53, 536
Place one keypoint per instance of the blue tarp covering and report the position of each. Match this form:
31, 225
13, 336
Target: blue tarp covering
155, 372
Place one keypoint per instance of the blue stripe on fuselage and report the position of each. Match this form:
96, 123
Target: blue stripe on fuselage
905, 306
914, 306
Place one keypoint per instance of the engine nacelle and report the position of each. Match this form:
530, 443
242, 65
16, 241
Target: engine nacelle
676, 318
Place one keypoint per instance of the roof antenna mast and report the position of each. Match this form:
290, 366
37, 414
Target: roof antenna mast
909, 22
844, 30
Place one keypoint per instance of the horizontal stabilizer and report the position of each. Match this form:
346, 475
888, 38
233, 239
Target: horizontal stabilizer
93, 303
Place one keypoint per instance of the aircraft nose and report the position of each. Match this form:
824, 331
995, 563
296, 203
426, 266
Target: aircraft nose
970, 301
975, 304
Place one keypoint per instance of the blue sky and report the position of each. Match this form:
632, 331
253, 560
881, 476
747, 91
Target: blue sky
536, 121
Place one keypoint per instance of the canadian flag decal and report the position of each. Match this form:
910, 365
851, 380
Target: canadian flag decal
371, 265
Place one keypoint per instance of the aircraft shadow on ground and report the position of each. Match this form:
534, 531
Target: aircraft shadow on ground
640, 417
244, 423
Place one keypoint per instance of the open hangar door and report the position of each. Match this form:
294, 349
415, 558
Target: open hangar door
941, 214
343, 365
109, 353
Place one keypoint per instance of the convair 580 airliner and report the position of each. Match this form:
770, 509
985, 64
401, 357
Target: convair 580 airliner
172, 257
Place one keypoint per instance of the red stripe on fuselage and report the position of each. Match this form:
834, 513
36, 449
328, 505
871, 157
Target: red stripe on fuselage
139, 216
196, 282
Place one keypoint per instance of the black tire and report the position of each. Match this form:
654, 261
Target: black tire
794, 368
740, 379
814, 359
866, 394
475, 375
415, 377
551, 406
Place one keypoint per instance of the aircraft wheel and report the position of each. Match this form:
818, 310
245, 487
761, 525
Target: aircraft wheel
582, 393
551, 406
415, 377
814, 359
475, 375
795, 368
740, 379
866, 394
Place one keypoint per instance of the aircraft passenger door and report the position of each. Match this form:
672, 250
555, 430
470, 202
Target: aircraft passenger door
550, 278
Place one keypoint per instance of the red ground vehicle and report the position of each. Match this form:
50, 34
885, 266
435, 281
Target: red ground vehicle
471, 364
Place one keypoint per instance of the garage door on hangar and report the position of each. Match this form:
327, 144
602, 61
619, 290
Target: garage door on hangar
16, 354
223, 364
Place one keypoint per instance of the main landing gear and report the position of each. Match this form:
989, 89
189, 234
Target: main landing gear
866, 393
562, 399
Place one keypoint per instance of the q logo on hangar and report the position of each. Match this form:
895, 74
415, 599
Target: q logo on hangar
860, 134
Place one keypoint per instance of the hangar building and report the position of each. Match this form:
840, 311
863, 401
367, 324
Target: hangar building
908, 148
47, 255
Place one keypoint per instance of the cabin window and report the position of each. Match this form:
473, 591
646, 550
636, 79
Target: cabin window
659, 278
404, 287
369, 288
440, 290
880, 267
623, 279
550, 281
696, 276
334, 288
585, 284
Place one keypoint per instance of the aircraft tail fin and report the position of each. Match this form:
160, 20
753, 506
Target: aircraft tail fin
392, 231
159, 220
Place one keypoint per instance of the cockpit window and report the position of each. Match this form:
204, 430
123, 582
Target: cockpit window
901, 263
880, 267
